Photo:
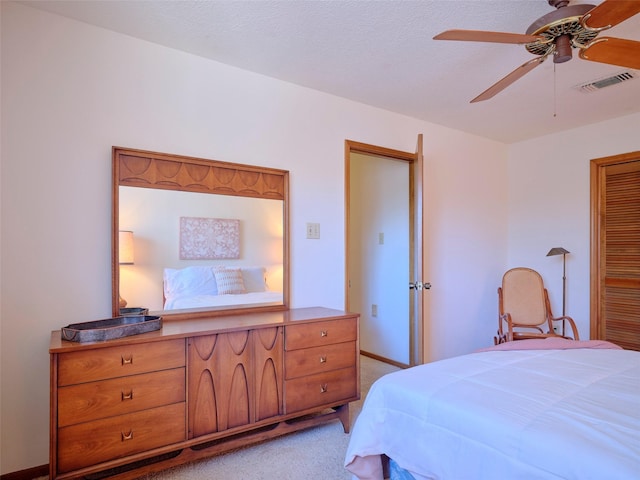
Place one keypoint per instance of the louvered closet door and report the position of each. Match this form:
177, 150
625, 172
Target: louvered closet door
615, 305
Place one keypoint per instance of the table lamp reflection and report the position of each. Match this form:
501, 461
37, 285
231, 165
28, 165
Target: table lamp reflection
125, 255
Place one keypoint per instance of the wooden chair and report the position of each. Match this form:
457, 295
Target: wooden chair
524, 310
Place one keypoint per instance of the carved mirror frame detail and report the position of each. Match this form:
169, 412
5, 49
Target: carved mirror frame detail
146, 169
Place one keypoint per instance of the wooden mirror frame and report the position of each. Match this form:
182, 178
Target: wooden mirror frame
146, 169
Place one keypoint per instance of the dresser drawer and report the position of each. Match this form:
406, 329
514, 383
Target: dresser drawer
118, 396
320, 333
94, 442
111, 362
319, 359
320, 389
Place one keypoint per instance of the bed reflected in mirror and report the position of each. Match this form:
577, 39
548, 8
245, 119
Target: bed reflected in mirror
209, 237
188, 257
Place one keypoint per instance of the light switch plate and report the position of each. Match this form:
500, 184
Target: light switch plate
313, 230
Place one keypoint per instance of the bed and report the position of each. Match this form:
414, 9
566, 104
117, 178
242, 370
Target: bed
532, 409
217, 286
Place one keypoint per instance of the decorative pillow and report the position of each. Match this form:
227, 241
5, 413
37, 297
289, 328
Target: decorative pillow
229, 281
189, 281
254, 279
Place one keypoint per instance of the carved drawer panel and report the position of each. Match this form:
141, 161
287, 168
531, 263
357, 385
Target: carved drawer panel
320, 333
101, 440
131, 359
320, 389
91, 401
320, 359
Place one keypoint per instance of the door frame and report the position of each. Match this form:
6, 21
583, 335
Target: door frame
598, 170
415, 161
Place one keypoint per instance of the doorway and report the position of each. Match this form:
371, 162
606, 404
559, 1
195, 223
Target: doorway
384, 250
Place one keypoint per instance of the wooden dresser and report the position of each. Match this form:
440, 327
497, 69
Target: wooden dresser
195, 388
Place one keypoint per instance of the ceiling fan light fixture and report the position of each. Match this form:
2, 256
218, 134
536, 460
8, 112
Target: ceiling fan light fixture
564, 22
563, 49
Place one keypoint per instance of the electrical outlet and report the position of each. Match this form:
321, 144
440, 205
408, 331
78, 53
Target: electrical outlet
381, 238
374, 310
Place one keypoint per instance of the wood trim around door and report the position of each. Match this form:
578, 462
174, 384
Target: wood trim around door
415, 160
598, 177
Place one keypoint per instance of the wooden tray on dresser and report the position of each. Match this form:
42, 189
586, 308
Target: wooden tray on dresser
111, 328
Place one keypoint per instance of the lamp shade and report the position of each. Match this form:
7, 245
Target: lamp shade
125, 247
557, 251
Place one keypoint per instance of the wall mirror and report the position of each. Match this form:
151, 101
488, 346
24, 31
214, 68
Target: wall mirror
195, 237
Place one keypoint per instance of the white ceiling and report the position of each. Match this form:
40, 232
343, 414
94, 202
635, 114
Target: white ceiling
381, 53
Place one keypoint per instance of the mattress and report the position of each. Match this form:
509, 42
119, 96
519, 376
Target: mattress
546, 413
201, 301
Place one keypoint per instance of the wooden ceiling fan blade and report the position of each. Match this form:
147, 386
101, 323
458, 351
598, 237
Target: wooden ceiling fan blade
509, 79
484, 36
614, 51
610, 13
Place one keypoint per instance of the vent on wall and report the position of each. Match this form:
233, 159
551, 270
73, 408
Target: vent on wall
606, 82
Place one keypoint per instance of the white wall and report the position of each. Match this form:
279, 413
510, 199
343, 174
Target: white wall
465, 240
71, 91
549, 206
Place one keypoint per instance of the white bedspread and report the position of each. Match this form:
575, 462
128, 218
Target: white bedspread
505, 415
200, 301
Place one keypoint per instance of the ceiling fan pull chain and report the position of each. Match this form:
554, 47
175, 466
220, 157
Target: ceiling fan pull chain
555, 94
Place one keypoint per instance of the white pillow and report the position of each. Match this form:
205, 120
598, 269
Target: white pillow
229, 281
254, 279
189, 281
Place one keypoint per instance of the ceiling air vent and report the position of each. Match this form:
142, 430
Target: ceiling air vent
605, 82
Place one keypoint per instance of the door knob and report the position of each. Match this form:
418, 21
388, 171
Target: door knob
419, 285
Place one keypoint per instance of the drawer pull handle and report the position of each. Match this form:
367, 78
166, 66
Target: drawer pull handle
128, 360
323, 333
127, 396
323, 359
127, 436
324, 387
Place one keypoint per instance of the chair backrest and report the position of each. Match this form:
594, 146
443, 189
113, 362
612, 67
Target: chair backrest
523, 297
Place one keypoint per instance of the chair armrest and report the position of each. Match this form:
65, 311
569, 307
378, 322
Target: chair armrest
572, 324
505, 317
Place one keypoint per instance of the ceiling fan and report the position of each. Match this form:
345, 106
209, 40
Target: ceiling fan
556, 33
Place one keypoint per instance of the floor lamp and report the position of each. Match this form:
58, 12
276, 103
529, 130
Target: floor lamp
563, 252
